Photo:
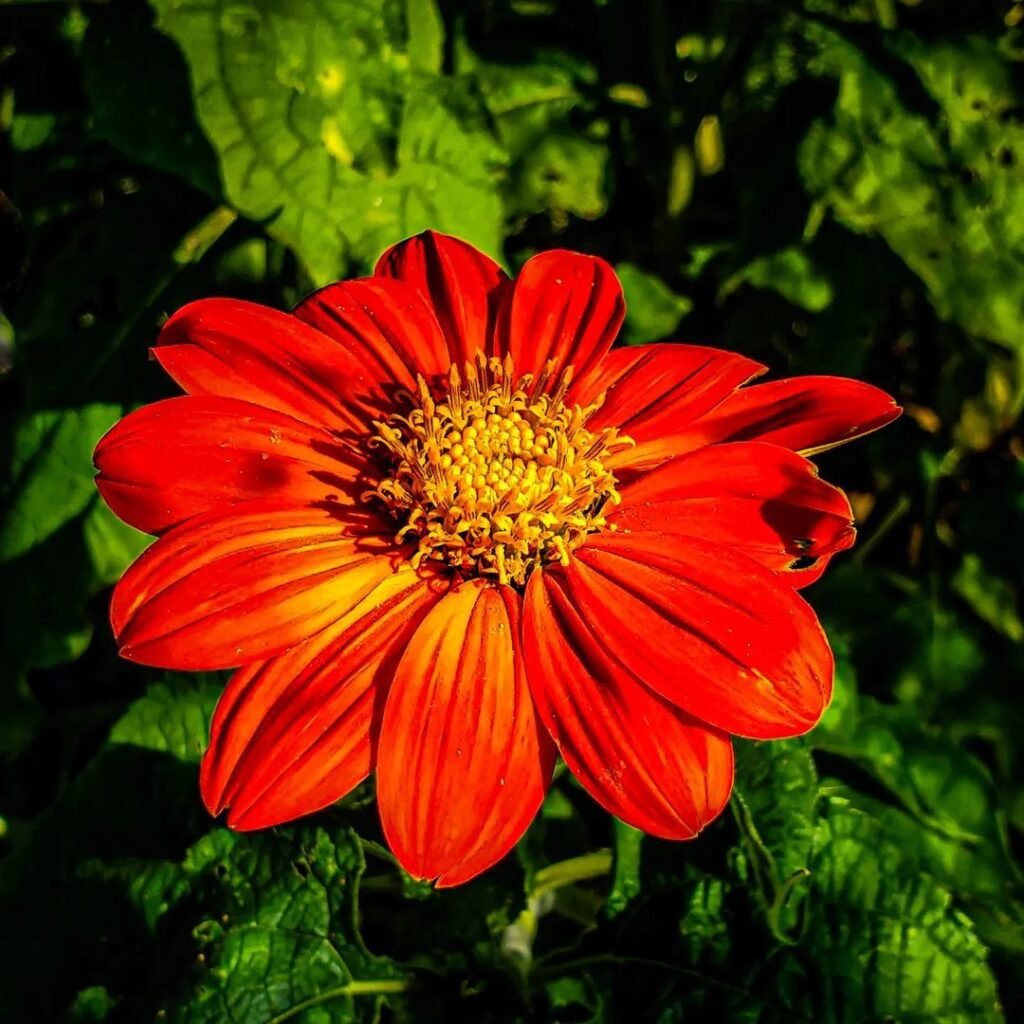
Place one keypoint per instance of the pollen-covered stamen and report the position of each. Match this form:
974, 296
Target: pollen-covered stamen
499, 476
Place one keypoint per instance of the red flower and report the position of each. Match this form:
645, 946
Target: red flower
446, 530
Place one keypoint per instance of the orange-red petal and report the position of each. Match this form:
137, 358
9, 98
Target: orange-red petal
463, 764
707, 628
297, 732
655, 392
805, 414
242, 350
386, 326
462, 285
642, 759
764, 501
225, 590
563, 307
175, 459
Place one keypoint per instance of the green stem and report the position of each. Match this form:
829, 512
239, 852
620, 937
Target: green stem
567, 872
376, 850
353, 988
517, 941
198, 242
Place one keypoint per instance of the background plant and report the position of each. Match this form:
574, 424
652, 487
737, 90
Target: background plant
832, 186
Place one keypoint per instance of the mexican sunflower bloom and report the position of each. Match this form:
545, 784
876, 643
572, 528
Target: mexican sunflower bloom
444, 531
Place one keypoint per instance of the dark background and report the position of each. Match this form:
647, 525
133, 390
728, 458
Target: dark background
830, 187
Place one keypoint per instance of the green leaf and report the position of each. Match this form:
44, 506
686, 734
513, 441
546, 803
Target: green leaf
526, 102
774, 801
563, 174
885, 936
275, 931
575, 999
537, 109
80, 362
923, 148
268, 922
92, 1004
426, 35
45, 622
992, 599
50, 482
325, 132
93, 875
946, 809
138, 88
791, 273
653, 310
171, 718
111, 544
704, 927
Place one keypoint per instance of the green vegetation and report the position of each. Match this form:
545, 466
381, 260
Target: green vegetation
833, 186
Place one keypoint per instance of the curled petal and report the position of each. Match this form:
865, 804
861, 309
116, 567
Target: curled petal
806, 414
463, 764
462, 285
242, 350
642, 759
172, 460
709, 629
387, 327
562, 307
297, 732
222, 591
761, 500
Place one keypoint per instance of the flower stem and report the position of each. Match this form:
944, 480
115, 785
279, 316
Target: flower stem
518, 937
566, 872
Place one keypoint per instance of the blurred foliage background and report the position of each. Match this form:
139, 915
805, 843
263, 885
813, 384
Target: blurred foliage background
833, 186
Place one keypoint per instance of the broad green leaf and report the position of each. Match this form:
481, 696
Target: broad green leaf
789, 272
269, 922
949, 793
275, 931
30, 131
563, 174
886, 937
774, 802
112, 545
426, 35
92, 876
173, 718
653, 310
923, 147
44, 617
50, 482
947, 809
991, 598
325, 131
137, 84
527, 102
537, 110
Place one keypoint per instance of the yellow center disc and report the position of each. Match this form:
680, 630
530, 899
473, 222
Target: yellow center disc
499, 476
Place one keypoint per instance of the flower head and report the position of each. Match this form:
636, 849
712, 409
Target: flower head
443, 530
